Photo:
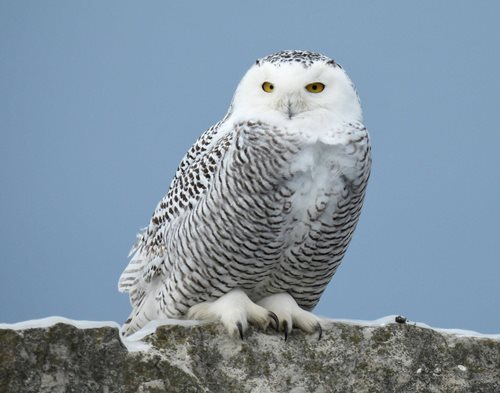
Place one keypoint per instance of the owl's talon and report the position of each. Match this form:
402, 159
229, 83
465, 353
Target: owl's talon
285, 328
292, 316
320, 331
240, 329
274, 317
233, 309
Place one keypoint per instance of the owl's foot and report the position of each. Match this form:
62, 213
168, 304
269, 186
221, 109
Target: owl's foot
290, 314
235, 310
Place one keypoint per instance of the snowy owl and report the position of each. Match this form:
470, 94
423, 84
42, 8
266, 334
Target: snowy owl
262, 207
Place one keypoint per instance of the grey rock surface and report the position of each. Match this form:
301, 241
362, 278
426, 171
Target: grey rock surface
202, 358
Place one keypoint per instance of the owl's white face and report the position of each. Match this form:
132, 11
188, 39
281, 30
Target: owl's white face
291, 92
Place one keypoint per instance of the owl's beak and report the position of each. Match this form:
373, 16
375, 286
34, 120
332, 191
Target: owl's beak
291, 105
289, 109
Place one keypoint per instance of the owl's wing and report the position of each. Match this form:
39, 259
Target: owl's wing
199, 149
191, 181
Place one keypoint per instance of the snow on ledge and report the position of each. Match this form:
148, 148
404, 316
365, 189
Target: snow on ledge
391, 319
50, 321
134, 342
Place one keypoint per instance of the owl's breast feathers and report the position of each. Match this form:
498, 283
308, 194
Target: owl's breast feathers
261, 208
302, 194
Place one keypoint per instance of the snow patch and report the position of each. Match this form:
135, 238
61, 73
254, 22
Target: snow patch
392, 319
135, 341
50, 321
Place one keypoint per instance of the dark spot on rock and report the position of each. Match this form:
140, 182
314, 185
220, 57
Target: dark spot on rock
400, 319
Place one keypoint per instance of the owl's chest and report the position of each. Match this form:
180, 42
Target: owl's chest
289, 178
318, 176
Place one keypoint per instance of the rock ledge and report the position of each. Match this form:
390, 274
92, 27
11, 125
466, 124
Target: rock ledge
202, 358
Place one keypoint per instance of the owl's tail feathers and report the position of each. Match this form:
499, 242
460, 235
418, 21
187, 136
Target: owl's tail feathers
145, 311
145, 307
140, 279
130, 275
134, 322
128, 279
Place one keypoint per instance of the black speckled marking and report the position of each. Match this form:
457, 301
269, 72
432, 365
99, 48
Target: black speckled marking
306, 58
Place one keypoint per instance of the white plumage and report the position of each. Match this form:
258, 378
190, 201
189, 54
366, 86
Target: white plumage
262, 207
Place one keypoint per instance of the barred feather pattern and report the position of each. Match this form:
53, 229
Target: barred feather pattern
244, 211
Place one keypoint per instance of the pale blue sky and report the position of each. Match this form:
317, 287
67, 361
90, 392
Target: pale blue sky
100, 100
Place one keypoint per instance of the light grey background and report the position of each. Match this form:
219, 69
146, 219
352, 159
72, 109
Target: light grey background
100, 100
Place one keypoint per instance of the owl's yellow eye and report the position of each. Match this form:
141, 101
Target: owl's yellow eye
316, 87
268, 87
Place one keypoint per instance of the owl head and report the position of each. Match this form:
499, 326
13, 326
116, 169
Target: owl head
295, 85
